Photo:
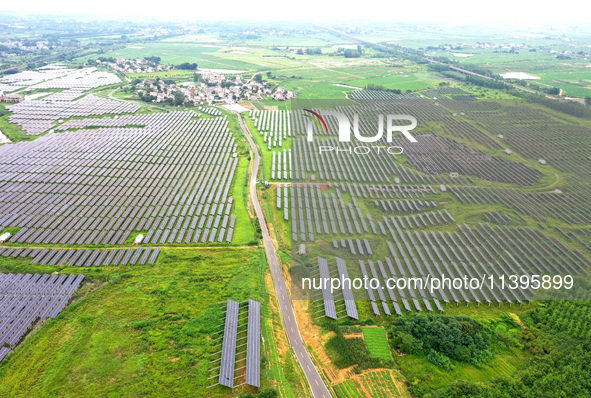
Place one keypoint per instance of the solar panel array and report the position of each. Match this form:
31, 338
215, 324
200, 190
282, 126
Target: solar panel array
434, 154
38, 116
275, 126
388, 210
485, 250
474, 252
67, 95
28, 78
231, 349
85, 257
85, 79
210, 111
169, 175
281, 165
563, 206
25, 299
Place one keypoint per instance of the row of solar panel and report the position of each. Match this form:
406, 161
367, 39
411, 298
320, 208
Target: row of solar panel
85, 257
25, 299
229, 345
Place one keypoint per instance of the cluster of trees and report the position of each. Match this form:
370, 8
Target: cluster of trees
561, 366
310, 51
551, 90
484, 82
178, 98
476, 80
187, 66
349, 53
105, 59
227, 83
382, 88
264, 393
154, 59
438, 359
442, 338
439, 67
570, 108
146, 98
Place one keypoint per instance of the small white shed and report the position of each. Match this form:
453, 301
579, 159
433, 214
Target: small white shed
5, 237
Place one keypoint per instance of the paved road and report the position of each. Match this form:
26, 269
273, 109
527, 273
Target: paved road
317, 385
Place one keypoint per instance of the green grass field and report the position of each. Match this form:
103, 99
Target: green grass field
377, 343
13, 131
205, 55
149, 328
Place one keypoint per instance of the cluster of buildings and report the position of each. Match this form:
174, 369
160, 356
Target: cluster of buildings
265, 32
161, 31
11, 48
498, 46
140, 65
504, 47
213, 88
10, 98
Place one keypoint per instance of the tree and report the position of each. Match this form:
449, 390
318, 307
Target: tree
352, 53
588, 100
456, 337
440, 360
268, 393
179, 97
187, 66
553, 90
153, 59
258, 78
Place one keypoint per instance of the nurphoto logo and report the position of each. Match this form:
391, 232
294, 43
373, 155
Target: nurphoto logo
345, 126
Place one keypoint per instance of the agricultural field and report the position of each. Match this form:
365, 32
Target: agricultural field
377, 343
570, 74
206, 55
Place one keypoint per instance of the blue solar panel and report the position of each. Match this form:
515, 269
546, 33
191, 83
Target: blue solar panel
329, 308
229, 345
253, 346
347, 292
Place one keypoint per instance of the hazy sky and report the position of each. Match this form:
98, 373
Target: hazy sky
458, 11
